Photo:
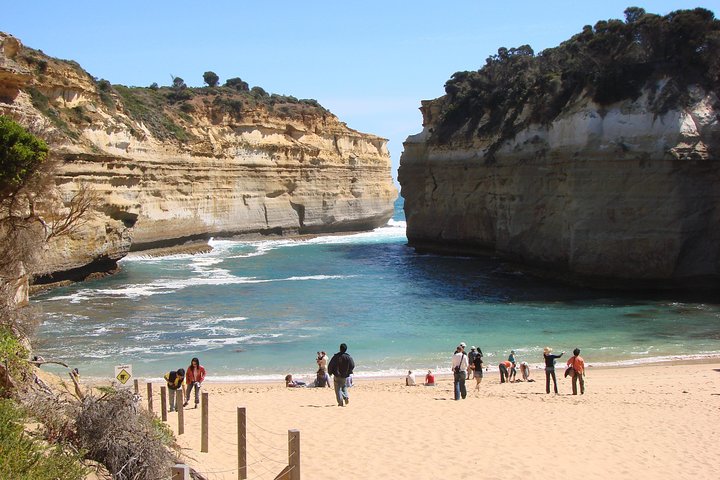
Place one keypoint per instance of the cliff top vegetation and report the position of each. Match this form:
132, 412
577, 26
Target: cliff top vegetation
164, 110
610, 62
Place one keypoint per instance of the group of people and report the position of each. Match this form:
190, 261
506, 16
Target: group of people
340, 367
464, 366
192, 378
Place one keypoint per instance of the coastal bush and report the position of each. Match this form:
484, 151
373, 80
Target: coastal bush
611, 61
211, 79
24, 458
21, 155
123, 437
238, 84
13, 366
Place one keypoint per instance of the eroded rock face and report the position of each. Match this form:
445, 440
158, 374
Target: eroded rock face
248, 171
601, 194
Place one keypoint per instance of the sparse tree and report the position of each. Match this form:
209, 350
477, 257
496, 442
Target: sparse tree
238, 84
211, 79
178, 83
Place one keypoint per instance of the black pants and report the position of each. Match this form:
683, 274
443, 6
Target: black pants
503, 373
548, 373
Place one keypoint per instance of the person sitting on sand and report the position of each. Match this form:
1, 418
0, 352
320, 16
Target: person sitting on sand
550, 368
525, 371
429, 379
174, 381
290, 383
410, 379
322, 378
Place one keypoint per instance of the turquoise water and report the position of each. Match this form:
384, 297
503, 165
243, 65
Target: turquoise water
259, 310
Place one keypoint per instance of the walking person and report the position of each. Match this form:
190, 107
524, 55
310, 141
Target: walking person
193, 378
578, 371
478, 370
341, 367
174, 381
471, 362
459, 367
550, 368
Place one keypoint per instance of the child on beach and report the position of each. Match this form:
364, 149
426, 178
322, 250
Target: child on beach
290, 383
174, 381
193, 378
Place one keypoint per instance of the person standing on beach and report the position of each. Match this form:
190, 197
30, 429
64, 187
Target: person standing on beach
478, 370
578, 374
471, 362
193, 378
550, 368
459, 367
174, 381
341, 367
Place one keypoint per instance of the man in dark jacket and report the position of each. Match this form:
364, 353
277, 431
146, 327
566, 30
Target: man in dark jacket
341, 366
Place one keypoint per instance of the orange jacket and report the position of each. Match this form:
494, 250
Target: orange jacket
577, 363
195, 374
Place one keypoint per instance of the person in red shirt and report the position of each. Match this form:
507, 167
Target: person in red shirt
429, 379
578, 374
504, 370
193, 378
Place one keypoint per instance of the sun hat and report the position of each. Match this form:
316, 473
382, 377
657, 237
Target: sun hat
462, 344
473, 347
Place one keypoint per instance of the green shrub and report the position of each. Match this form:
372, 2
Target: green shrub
21, 154
23, 458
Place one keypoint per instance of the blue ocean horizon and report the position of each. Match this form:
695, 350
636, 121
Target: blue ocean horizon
257, 310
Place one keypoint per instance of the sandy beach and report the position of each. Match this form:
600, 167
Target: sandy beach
654, 422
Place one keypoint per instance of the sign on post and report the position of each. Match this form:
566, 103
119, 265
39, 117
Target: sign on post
123, 374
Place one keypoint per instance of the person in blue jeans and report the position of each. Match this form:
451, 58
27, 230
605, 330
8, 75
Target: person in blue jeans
341, 367
459, 367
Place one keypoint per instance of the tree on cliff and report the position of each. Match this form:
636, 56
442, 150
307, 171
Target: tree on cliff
238, 84
31, 212
211, 79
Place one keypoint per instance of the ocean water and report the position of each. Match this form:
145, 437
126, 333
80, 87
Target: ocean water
259, 310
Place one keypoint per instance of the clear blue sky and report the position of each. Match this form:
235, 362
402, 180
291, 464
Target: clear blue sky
369, 62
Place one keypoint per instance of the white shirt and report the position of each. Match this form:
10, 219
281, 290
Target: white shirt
410, 379
459, 359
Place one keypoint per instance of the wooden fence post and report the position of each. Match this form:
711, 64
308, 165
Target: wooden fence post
137, 386
242, 443
163, 400
180, 472
181, 411
204, 423
150, 397
294, 454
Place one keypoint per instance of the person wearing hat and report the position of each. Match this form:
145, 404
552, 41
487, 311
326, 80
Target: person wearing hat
459, 367
578, 371
550, 368
471, 362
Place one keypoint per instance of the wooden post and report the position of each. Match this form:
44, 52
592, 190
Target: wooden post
242, 443
180, 410
163, 401
137, 386
150, 397
204, 423
294, 454
180, 472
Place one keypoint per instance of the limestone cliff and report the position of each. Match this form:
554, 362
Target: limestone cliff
170, 165
612, 192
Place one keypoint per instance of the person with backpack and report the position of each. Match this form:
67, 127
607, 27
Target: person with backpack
459, 367
341, 367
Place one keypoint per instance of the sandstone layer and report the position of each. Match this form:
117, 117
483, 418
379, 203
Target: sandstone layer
613, 194
209, 165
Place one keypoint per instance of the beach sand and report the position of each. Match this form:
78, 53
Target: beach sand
647, 422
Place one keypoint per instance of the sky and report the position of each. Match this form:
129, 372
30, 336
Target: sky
369, 62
